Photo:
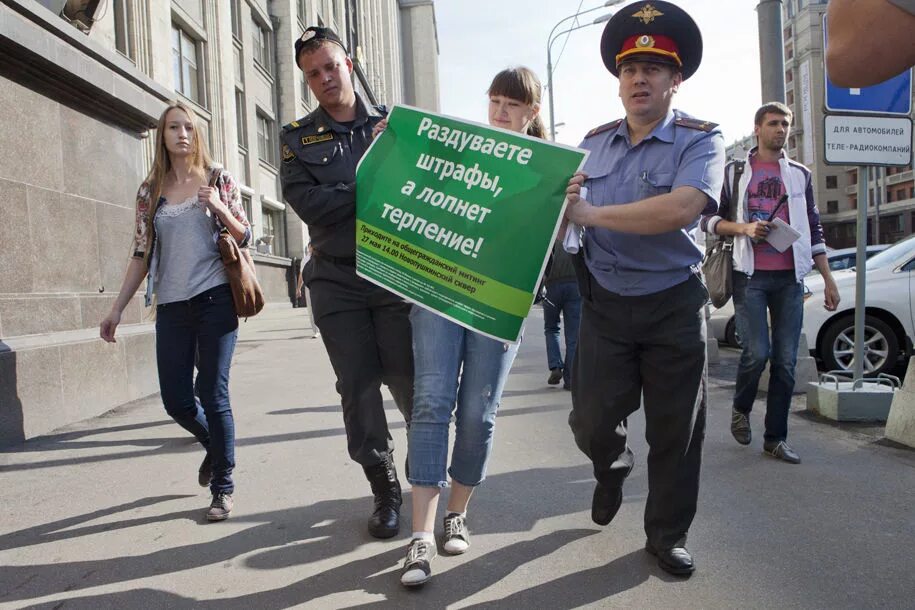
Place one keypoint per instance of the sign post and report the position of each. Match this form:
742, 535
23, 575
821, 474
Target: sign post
868, 126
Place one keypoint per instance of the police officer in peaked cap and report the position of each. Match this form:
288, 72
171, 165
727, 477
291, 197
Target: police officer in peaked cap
650, 176
365, 328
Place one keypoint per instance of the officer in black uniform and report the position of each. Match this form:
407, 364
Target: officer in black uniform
365, 328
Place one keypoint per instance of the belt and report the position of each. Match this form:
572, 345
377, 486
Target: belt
348, 261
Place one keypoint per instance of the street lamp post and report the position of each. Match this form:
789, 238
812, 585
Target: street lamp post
549, 52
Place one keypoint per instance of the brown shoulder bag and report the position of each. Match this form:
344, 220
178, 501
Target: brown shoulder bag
246, 291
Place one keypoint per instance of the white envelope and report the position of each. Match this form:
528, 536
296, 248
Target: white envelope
781, 235
571, 241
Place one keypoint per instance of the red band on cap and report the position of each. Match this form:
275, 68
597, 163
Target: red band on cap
650, 44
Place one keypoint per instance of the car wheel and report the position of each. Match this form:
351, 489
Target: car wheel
730, 334
881, 346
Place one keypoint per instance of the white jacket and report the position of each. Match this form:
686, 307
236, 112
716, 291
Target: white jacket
802, 212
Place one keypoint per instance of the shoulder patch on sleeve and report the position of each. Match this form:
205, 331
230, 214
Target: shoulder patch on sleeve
604, 127
695, 124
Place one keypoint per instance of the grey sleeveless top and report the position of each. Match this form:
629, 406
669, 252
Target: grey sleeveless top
189, 262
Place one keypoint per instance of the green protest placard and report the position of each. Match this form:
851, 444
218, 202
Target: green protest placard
459, 217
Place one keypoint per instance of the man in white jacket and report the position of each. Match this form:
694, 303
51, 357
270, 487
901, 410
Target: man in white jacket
768, 283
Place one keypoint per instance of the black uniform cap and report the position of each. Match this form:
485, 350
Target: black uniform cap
635, 26
316, 33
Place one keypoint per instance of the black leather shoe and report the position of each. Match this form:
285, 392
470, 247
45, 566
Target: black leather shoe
605, 503
740, 427
555, 376
385, 520
781, 450
675, 560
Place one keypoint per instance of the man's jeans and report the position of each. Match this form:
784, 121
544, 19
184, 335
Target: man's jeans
561, 297
200, 332
440, 348
782, 295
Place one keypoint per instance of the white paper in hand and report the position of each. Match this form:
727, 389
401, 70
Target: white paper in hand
571, 242
782, 235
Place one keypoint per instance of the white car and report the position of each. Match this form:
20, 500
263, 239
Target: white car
721, 322
888, 324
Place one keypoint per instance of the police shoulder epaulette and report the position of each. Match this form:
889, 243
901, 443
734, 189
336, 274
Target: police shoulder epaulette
297, 123
604, 127
695, 124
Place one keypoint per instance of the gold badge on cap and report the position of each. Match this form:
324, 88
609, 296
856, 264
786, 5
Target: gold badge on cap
648, 13
644, 41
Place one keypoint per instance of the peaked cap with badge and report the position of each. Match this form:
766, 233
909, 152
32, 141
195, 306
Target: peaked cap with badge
655, 31
317, 33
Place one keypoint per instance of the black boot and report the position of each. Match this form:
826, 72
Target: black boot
385, 521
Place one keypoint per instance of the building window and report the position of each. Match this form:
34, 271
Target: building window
832, 182
832, 207
236, 18
789, 98
246, 204
261, 46
889, 196
789, 51
240, 121
266, 139
792, 142
853, 177
912, 192
273, 230
123, 33
302, 11
184, 65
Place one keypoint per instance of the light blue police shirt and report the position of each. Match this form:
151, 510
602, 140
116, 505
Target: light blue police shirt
671, 156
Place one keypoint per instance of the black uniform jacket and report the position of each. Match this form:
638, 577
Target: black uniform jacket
319, 174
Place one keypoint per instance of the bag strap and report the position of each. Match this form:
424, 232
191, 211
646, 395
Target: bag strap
735, 187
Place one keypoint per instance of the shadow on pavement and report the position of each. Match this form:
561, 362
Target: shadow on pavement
297, 537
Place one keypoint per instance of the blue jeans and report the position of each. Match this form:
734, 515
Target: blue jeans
561, 297
440, 348
782, 295
200, 332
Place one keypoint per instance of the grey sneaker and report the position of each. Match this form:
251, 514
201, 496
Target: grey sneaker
457, 538
220, 507
781, 450
417, 567
740, 427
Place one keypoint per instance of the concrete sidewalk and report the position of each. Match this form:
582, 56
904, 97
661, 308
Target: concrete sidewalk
107, 513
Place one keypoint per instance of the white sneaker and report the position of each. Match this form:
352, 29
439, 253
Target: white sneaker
417, 567
457, 538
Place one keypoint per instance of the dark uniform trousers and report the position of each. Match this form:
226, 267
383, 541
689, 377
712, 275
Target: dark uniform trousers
650, 346
366, 331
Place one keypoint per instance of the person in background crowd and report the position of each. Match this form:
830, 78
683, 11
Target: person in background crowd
768, 283
302, 291
562, 299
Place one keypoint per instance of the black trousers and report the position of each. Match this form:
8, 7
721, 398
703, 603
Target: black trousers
366, 331
649, 348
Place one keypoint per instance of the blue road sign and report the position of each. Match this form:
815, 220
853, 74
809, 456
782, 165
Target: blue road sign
893, 96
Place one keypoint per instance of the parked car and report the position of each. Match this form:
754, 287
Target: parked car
722, 324
888, 324
845, 258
